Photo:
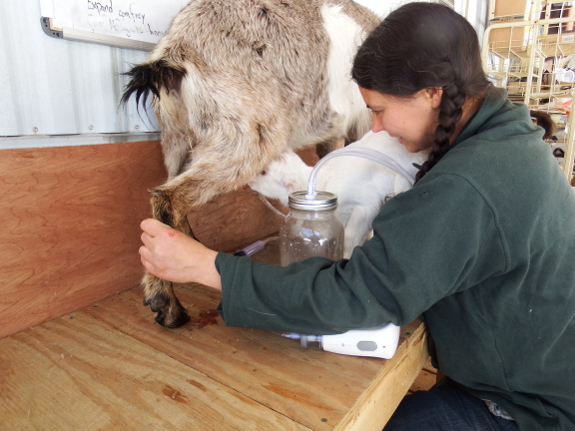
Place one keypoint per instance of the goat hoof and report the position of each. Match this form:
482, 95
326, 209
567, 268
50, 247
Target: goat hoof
170, 314
172, 320
157, 302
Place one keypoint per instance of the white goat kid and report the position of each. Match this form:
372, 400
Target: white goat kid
361, 185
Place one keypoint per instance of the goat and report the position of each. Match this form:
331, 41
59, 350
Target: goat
234, 84
362, 186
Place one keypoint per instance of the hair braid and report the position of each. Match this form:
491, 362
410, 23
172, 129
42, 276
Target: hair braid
450, 113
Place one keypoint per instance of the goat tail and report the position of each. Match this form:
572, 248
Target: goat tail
151, 78
544, 120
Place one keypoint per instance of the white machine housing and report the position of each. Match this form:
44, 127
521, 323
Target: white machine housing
379, 342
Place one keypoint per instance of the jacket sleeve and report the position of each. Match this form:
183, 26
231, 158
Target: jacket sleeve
434, 240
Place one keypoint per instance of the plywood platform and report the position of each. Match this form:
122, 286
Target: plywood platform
109, 366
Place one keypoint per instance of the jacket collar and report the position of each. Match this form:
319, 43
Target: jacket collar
493, 102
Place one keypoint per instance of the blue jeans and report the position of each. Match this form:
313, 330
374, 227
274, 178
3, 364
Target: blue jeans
445, 407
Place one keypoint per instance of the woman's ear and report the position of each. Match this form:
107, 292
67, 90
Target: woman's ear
434, 95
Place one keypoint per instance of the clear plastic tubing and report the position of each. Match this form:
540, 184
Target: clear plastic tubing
366, 153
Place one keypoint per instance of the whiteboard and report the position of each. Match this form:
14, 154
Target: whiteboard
138, 24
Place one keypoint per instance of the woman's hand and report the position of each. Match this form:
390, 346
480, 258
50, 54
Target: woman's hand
171, 255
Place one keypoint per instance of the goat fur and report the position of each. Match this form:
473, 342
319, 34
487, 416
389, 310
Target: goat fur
361, 185
235, 83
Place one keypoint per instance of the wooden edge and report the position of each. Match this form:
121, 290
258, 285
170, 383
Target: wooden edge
376, 404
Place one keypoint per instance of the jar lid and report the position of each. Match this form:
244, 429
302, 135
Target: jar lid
322, 201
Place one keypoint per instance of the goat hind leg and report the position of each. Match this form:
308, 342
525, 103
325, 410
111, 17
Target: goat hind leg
164, 211
159, 294
171, 203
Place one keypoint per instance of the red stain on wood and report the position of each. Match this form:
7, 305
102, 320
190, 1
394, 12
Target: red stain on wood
207, 317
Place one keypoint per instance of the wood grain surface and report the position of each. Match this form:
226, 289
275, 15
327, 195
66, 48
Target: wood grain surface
110, 366
71, 217
262, 365
77, 373
70, 232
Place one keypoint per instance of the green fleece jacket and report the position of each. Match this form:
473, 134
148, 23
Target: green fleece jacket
483, 248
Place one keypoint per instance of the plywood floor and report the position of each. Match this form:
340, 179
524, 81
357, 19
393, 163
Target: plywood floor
77, 371
109, 366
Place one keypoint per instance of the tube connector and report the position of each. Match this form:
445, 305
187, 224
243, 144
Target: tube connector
251, 249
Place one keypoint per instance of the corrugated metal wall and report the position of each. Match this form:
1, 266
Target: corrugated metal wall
58, 87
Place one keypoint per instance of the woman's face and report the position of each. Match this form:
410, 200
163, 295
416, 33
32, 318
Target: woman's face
411, 119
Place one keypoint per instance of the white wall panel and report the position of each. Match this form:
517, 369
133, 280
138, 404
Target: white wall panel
59, 87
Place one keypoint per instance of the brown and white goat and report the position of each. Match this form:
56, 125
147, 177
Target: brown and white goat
237, 82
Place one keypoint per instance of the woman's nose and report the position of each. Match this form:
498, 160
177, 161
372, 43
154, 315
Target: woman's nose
376, 124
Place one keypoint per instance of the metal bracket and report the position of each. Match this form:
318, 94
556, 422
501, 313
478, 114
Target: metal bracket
48, 30
88, 36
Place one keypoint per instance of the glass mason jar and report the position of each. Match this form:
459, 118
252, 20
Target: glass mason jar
311, 228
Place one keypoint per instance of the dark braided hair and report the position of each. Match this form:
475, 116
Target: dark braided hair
424, 45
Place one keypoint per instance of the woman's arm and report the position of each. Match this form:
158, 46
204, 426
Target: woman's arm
174, 256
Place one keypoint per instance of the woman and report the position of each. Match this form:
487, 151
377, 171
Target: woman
481, 247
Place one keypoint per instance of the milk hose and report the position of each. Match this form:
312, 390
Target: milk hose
366, 153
